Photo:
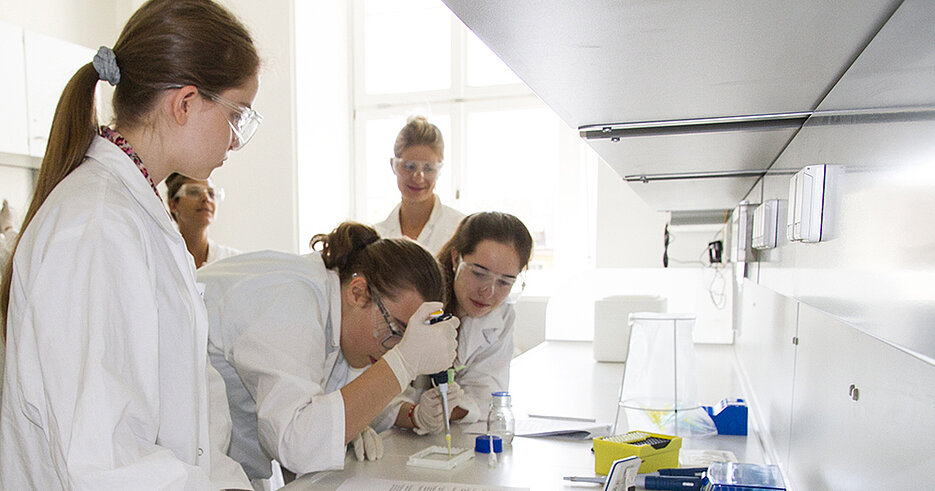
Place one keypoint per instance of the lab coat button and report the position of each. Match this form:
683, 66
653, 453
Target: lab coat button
200, 451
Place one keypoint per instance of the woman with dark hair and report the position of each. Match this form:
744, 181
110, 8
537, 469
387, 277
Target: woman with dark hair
312, 347
106, 382
483, 263
193, 204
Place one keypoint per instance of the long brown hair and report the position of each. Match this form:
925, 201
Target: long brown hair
389, 265
474, 229
166, 43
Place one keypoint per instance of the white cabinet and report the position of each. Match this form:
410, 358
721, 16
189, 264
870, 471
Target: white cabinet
13, 134
50, 64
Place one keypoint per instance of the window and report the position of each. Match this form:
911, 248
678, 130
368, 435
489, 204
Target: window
504, 149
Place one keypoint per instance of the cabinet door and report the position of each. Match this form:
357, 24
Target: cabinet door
764, 346
862, 413
13, 121
50, 64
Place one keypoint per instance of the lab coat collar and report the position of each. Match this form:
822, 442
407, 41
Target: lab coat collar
115, 160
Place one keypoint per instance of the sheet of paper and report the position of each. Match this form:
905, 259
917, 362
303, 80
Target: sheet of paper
532, 427
370, 484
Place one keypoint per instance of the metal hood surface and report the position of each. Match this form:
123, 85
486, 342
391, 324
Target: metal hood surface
711, 91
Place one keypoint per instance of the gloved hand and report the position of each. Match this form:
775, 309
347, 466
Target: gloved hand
429, 414
368, 444
423, 348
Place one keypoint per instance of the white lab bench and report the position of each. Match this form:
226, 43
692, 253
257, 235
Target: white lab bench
556, 378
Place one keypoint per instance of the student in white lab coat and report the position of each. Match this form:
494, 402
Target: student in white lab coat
107, 375
193, 204
484, 264
420, 215
313, 347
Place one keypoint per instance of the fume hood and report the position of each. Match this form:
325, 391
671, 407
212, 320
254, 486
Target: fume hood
691, 102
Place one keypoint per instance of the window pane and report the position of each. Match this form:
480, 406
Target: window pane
513, 166
407, 46
382, 193
484, 67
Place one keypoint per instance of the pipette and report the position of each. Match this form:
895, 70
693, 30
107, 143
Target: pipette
442, 378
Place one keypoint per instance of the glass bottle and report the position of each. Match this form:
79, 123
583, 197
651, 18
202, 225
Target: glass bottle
500, 421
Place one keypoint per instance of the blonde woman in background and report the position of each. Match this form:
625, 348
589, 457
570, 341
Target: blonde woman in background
107, 376
193, 204
418, 156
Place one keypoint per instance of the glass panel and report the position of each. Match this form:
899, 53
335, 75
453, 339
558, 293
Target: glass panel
407, 46
513, 166
382, 193
484, 67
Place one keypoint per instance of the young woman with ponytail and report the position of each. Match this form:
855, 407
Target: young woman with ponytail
107, 382
313, 347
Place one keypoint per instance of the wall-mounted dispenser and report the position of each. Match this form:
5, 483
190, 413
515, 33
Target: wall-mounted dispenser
766, 224
741, 230
811, 203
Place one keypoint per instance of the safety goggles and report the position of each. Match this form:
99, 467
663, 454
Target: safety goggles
396, 334
197, 191
481, 278
244, 123
412, 167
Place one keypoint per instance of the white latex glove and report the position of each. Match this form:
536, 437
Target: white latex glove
368, 444
423, 348
429, 414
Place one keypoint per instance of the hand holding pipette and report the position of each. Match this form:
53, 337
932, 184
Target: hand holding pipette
441, 380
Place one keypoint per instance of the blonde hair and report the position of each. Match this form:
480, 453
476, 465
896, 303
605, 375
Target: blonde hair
418, 131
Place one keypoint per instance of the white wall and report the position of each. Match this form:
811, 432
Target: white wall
90, 23
259, 211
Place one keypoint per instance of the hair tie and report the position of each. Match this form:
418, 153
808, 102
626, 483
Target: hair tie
105, 62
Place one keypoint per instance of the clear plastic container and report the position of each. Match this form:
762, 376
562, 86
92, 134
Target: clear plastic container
500, 421
659, 391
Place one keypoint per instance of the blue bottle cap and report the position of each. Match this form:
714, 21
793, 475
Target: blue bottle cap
482, 444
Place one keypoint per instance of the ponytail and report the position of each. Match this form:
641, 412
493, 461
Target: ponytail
73, 128
389, 265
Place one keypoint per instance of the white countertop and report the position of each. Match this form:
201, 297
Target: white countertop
558, 378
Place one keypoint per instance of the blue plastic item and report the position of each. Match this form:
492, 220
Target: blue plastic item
730, 416
733, 476
482, 444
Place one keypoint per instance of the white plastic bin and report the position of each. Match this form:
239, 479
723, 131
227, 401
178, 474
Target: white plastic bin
612, 324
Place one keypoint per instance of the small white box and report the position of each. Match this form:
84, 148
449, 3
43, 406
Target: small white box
612, 324
766, 224
811, 198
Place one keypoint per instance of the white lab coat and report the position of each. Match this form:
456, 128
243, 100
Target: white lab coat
216, 252
275, 332
442, 224
485, 347
106, 383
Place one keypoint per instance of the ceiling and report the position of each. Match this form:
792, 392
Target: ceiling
617, 68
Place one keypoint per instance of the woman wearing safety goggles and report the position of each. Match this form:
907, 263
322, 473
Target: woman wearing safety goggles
312, 347
193, 204
420, 215
484, 265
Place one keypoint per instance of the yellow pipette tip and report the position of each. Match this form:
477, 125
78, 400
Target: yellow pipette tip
448, 440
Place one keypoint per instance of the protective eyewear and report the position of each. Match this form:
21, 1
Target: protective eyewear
197, 191
244, 123
396, 334
482, 278
411, 167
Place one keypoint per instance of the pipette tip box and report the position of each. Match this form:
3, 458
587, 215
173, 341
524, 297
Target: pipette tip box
656, 450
